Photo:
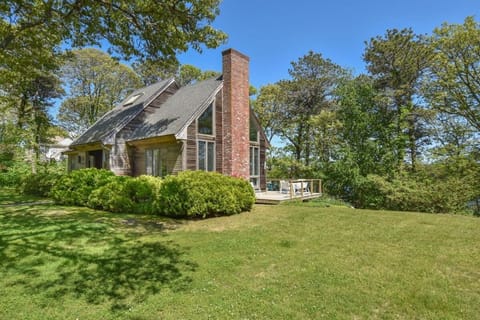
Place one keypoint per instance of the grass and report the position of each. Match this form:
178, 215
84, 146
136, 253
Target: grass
276, 262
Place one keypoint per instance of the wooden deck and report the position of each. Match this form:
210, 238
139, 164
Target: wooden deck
279, 190
275, 197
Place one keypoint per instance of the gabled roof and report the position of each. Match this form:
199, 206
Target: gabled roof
170, 118
114, 120
178, 111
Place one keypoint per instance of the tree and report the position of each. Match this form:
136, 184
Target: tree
151, 72
267, 107
33, 121
95, 83
397, 62
454, 86
309, 91
368, 129
143, 29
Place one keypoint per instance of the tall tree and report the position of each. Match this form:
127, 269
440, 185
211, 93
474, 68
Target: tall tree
309, 91
367, 133
94, 83
397, 62
454, 86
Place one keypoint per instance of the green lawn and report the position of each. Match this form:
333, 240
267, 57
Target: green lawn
276, 262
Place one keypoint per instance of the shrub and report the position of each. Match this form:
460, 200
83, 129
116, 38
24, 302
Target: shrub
202, 194
12, 176
418, 193
112, 196
126, 194
75, 188
38, 184
41, 183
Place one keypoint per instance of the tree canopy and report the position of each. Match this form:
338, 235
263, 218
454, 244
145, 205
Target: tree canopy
144, 29
94, 84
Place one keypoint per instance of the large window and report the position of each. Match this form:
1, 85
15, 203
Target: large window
255, 166
205, 121
155, 163
206, 155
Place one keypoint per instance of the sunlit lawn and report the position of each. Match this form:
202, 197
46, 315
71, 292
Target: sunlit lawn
276, 262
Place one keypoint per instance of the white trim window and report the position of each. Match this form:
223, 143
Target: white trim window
255, 166
206, 155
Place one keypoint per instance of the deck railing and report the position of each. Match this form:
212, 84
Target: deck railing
295, 187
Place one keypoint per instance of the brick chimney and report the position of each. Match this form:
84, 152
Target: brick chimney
236, 104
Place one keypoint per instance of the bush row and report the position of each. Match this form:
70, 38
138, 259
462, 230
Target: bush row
188, 194
422, 195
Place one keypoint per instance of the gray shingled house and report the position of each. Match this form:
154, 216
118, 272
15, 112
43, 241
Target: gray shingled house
164, 128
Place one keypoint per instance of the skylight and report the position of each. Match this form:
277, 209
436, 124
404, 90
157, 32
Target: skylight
132, 99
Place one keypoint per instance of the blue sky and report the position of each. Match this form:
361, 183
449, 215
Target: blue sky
275, 33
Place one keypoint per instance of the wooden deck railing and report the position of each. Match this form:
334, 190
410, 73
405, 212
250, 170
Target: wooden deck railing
295, 187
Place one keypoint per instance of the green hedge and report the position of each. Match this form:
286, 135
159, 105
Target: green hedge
126, 194
39, 184
188, 194
424, 195
75, 188
202, 194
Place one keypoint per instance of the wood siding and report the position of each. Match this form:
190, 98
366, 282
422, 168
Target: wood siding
122, 157
192, 146
219, 132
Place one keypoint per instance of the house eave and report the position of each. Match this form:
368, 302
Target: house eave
170, 138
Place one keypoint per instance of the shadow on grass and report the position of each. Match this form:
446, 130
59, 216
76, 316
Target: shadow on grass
9, 196
57, 254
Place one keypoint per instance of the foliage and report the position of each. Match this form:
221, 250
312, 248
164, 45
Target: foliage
128, 195
202, 194
40, 183
268, 106
158, 30
397, 62
151, 72
12, 175
189, 194
95, 83
367, 133
454, 84
309, 91
75, 188
409, 194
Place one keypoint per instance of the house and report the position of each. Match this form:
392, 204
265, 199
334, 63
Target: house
53, 151
164, 128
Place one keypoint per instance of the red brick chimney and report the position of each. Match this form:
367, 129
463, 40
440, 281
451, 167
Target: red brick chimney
236, 104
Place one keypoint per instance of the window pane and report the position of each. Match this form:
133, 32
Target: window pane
211, 156
156, 163
201, 155
148, 162
251, 161
256, 160
253, 130
205, 121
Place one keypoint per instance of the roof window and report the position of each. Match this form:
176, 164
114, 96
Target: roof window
132, 99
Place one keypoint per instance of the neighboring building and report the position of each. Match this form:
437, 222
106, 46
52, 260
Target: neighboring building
54, 150
163, 129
